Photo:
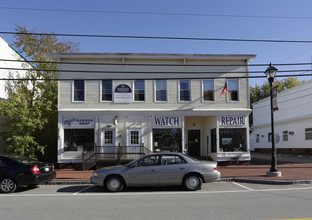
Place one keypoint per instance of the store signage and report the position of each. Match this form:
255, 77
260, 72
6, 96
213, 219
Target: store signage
123, 94
232, 120
78, 122
167, 121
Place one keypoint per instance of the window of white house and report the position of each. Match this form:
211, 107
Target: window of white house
161, 90
139, 90
79, 90
208, 88
232, 90
270, 137
185, 90
78, 139
285, 135
108, 137
308, 133
107, 90
134, 137
257, 138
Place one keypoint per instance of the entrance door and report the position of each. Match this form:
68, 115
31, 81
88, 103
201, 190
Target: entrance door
194, 143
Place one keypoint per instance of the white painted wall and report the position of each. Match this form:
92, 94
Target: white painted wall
8, 53
294, 114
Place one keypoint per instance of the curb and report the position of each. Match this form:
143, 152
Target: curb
265, 181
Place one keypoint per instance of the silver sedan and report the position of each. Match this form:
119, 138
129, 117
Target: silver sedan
159, 169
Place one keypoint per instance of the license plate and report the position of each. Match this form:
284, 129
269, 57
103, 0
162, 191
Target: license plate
47, 169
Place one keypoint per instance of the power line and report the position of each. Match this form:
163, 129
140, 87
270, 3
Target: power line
159, 37
155, 78
151, 72
155, 13
158, 64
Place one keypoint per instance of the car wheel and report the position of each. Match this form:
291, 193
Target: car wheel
114, 184
7, 185
192, 182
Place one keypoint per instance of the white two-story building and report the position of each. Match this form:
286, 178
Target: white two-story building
166, 102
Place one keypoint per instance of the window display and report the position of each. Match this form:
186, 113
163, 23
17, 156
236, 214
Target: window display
233, 140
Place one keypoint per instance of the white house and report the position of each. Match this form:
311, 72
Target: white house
166, 102
292, 122
9, 69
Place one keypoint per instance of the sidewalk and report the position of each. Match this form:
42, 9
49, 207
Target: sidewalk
295, 169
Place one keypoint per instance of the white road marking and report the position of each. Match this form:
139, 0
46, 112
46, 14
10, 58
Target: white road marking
245, 187
82, 190
150, 193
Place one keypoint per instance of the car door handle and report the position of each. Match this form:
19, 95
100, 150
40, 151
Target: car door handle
182, 168
153, 170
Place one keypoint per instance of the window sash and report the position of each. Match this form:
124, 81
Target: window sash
185, 92
79, 90
161, 90
107, 90
233, 90
308, 133
139, 90
208, 88
134, 137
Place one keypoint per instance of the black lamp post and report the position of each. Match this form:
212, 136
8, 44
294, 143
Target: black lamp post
270, 73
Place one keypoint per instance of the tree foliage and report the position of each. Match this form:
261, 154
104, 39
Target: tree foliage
31, 109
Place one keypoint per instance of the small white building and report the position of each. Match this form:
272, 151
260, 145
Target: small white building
166, 102
292, 122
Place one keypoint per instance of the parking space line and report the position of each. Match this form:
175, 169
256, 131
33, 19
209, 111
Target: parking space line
245, 187
76, 193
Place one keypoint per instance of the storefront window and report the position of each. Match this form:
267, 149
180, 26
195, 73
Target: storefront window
78, 139
167, 140
233, 139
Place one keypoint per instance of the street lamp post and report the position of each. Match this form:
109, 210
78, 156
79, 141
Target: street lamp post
270, 73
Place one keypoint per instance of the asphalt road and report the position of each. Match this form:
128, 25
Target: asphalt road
222, 200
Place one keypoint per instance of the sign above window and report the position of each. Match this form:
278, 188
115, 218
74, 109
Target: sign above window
232, 120
123, 94
167, 121
78, 122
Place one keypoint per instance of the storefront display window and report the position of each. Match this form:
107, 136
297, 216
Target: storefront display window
78, 139
233, 139
167, 140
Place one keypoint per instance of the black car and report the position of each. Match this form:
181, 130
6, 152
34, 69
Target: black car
16, 172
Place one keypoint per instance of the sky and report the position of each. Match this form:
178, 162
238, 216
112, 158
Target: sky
239, 19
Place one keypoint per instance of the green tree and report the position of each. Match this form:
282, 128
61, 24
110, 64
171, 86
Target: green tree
260, 92
31, 109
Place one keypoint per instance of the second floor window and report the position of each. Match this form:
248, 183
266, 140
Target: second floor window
79, 90
185, 90
233, 90
161, 90
208, 89
107, 90
139, 90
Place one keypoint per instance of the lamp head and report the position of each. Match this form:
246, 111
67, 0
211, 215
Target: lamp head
270, 72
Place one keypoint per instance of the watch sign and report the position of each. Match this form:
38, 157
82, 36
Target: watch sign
232, 120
